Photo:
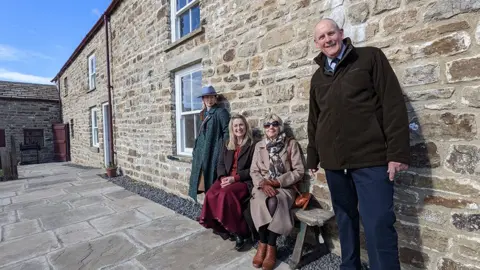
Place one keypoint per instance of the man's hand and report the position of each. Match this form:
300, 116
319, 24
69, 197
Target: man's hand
394, 167
227, 181
269, 191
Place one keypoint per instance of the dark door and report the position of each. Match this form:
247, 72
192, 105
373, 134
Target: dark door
61, 143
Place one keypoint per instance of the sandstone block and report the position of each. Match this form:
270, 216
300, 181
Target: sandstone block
477, 34
469, 248
119, 221
430, 94
76, 233
448, 126
448, 264
256, 63
321, 192
39, 263
420, 235
448, 45
453, 26
399, 21
74, 216
358, 13
463, 159
424, 155
277, 37
96, 254
449, 202
28, 247
279, 93
42, 210
414, 257
296, 51
21, 229
274, 57
471, 96
229, 55
466, 222
223, 69
465, 69
444, 9
441, 106
247, 50
384, 5
452, 185
7, 218
418, 75
241, 65
406, 196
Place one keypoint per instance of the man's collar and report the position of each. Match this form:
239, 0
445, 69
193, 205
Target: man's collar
342, 51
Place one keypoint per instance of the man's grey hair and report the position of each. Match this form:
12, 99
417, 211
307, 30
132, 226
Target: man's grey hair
329, 20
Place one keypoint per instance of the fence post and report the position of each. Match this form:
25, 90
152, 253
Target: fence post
13, 158
6, 164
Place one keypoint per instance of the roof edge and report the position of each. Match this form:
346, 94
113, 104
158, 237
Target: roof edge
110, 9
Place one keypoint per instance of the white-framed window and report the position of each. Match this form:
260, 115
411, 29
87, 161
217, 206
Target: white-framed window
186, 17
92, 71
65, 86
94, 124
188, 86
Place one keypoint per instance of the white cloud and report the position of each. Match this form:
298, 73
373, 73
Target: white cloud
9, 53
96, 12
20, 77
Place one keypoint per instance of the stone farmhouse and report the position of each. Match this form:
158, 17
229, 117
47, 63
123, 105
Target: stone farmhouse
149, 58
27, 113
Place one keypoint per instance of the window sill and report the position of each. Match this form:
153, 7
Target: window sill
184, 159
189, 36
94, 149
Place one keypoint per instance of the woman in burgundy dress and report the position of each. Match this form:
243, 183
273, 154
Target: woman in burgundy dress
225, 201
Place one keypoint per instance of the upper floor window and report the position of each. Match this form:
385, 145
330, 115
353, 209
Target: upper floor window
186, 14
65, 86
92, 72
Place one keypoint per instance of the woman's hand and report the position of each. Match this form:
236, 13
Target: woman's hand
269, 191
226, 181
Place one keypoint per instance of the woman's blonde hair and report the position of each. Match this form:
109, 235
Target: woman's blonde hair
232, 142
273, 117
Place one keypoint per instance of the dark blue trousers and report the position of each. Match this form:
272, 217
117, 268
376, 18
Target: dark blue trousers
365, 193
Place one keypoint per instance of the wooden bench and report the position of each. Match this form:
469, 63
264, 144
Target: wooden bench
314, 218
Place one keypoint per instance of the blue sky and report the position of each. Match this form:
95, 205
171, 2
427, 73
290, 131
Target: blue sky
37, 37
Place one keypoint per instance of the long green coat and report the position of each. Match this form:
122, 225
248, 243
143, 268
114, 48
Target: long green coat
213, 135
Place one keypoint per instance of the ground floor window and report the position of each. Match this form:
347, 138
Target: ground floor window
2, 138
94, 125
33, 136
188, 84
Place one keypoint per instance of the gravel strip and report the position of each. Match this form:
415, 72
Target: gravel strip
190, 209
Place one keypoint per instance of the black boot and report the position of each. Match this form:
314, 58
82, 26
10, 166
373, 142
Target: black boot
239, 242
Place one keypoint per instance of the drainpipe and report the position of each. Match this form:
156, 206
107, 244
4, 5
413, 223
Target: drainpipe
109, 87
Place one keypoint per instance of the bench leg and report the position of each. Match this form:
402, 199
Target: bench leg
297, 251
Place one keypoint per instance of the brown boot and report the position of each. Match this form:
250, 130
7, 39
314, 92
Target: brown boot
260, 256
270, 258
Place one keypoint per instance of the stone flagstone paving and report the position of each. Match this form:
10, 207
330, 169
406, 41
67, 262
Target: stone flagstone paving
58, 216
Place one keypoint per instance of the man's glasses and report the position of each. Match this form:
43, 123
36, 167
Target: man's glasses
268, 124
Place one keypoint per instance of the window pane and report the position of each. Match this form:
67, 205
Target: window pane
189, 132
196, 90
195, 17
197, 124
186, 93
181, 4
184, 24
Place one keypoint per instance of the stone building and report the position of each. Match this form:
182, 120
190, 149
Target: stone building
27, 112
258, 54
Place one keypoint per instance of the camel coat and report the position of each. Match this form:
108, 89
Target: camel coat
282, 220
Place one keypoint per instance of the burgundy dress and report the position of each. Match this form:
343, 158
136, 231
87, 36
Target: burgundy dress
222, 207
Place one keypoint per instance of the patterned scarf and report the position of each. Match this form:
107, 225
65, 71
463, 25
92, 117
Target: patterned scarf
276, 165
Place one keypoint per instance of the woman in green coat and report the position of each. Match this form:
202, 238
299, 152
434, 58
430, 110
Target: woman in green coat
212, 136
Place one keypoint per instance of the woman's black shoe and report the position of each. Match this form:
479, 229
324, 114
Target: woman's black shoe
239, 242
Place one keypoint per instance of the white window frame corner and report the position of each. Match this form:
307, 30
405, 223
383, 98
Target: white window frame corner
178, 109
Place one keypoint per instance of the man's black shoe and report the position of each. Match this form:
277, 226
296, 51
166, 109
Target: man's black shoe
239, 242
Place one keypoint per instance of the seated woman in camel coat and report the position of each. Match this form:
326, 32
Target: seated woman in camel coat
276, 166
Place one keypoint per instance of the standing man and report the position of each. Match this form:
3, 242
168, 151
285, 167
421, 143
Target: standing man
358, 132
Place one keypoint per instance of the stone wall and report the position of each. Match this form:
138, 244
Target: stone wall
17, 115
78, 101
258, 54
